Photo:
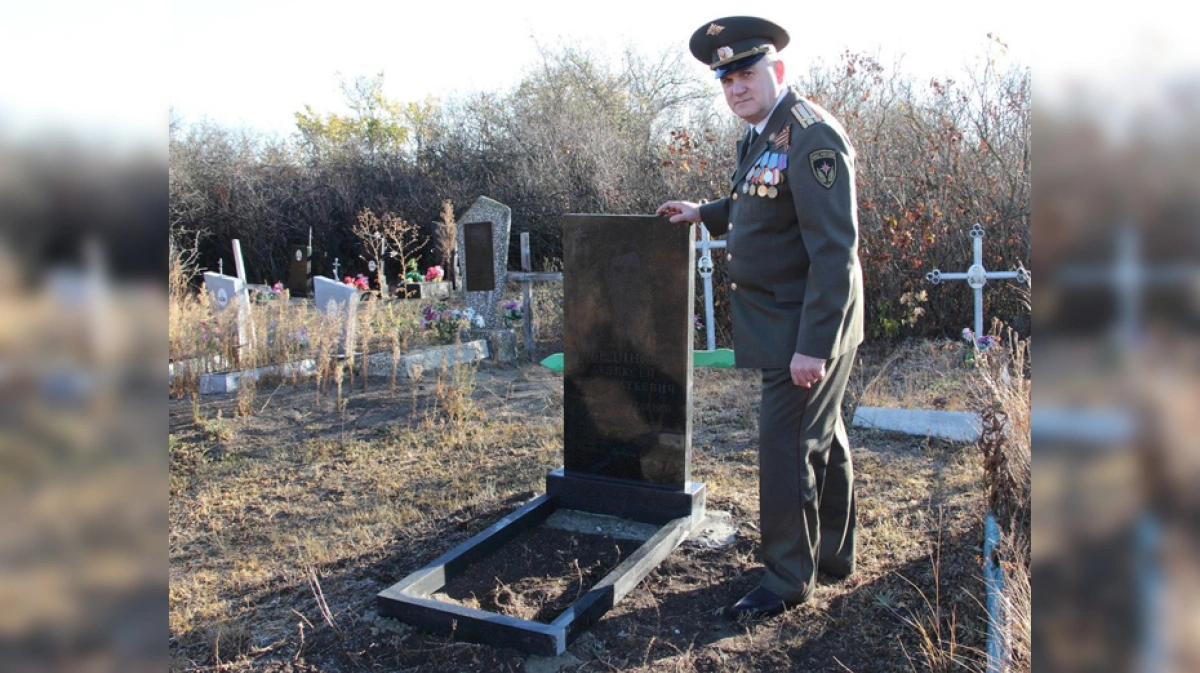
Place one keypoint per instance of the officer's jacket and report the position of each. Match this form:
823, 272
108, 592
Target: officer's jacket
790, 220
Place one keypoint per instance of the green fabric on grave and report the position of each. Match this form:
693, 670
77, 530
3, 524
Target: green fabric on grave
722, 357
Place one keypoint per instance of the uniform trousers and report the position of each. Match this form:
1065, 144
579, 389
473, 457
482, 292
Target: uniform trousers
806, 480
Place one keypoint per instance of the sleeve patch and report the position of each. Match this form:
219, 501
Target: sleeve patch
824, 167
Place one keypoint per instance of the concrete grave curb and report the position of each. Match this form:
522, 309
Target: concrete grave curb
956, 426
411, 365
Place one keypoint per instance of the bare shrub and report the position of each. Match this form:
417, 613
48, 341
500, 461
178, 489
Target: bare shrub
387, 236
446, 237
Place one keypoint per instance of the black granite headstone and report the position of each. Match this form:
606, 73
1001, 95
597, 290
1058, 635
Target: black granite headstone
481, 274
627, 349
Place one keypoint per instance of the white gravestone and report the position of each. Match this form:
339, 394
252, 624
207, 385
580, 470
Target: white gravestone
227, 290
333, 299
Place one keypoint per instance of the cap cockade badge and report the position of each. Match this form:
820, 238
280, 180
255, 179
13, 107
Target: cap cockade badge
714, 29
724, 53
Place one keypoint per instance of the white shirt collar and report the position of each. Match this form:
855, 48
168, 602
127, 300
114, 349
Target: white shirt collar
763, 124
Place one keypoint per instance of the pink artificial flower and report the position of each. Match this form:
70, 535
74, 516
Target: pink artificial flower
277, 287
434, 274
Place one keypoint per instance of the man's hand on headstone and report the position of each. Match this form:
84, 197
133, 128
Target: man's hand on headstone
679, 211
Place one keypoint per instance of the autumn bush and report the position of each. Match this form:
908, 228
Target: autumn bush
578, 135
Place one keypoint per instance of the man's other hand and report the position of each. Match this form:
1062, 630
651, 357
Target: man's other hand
807, 371
680, 211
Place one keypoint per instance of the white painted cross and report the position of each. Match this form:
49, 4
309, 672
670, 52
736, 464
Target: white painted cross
335, 267
704, 264
526, 277
976, 276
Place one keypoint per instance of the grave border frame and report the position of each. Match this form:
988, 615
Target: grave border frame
677, 513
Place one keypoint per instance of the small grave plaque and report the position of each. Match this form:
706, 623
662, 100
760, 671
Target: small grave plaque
227, 290
481, 276
224, 289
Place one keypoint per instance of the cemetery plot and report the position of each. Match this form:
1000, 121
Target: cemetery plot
627, 429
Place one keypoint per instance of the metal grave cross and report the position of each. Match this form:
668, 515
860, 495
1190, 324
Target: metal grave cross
976, 276
704, 264
335, 267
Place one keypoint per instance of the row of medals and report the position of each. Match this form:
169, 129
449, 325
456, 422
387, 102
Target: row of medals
767, 172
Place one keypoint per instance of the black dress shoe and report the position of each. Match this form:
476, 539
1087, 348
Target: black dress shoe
839, 569
759, 603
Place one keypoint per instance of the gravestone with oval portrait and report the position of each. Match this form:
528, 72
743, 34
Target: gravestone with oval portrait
227, 291
339, 300
299, 269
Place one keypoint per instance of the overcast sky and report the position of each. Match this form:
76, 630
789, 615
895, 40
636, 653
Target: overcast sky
116, 67
278, 55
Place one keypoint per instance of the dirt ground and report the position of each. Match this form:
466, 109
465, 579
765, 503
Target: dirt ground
287, 521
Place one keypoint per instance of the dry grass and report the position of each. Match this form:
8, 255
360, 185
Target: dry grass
291, 508
914, 375
285, 523
249, 517
204, 340
1003, 394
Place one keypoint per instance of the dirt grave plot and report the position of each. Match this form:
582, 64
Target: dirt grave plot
539, 573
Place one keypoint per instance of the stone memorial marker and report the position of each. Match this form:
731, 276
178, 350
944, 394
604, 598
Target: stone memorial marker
333, 298
227, 290
485, 257
299, 269
627, 349
627, 439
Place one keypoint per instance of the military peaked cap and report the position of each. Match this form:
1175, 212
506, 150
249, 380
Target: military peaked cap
736, 42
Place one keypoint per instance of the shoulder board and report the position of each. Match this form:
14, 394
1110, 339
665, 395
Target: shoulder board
805, 114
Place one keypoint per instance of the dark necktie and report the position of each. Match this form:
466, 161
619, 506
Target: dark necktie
745, 147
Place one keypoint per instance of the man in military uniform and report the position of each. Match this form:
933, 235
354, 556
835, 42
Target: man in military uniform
791, 226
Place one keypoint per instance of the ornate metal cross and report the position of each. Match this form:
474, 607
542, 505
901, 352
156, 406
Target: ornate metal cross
976, 276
